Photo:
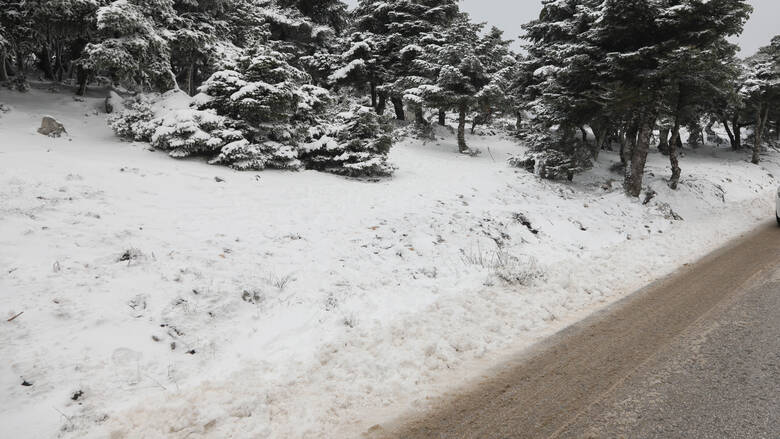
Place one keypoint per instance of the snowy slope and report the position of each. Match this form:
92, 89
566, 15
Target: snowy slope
282, 304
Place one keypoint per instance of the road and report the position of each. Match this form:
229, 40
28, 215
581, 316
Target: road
695, 355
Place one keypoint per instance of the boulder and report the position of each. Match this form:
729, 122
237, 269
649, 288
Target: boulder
114, 102
51, 127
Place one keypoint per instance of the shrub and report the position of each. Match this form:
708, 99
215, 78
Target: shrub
245, 156
261, 113
134, 121
357, 145
553, 156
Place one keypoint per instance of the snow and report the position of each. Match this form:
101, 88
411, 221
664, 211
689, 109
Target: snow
313, 305
343, 72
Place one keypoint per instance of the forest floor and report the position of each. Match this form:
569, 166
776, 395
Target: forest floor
170, 298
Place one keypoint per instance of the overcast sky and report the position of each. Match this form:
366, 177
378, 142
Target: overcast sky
508, 15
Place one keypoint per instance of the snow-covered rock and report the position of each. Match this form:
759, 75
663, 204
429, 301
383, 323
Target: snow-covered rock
51, 127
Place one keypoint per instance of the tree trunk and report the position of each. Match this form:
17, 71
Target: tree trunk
584, 135
190, 78
632, 130
173, 79
695, 138
58, 64
419, 116
518, 120
673, 159
462, 147
45, 63
372, 87
636, 170
381, 104
758, 132
663, 140
600, 135
737, 145
442, 117
708, 131
757, 139
623, 140
3, 71
20, 69
20, 78
729, 133
398, 105
81, 77
474, 122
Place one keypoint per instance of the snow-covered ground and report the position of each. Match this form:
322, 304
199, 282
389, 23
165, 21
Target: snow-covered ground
160, 302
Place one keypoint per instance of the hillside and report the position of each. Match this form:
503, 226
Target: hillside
166, 298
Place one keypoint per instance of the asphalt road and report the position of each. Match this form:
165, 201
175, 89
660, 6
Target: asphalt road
695, 355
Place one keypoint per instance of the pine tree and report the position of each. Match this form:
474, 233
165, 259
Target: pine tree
617, 63
18, 31
560, 88
762, 91
332, 13
459, 73
502, 69
134, 47
697, 65
397, 27
270, 101
356, 145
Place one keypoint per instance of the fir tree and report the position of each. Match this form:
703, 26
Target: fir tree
762, 91
134, 47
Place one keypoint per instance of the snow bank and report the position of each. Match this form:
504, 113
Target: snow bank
182, 300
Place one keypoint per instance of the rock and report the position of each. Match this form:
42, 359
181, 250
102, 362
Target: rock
51, 127
114, 102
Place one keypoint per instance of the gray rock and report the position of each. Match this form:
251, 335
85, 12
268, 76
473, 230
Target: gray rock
51, 127
114, 102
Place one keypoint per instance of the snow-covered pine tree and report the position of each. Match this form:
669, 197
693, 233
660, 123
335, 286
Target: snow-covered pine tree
459, 75
133, 45
271, 102
331, 13
356, 144
399, 25
5, 45
609, 63
563, 67
19, 33
762, 92
359, 66
697, 63
502, 69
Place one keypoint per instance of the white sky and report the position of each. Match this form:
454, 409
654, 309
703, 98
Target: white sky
508, 15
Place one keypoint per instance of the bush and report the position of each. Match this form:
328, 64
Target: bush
134, 121
168, 123
261, 113
188, 131
356, 146
245, 156
553, 156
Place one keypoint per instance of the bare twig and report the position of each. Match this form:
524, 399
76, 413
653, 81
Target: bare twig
63, 414
491, 154
17, 315
156, 382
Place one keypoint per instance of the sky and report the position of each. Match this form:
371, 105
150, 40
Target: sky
508, 15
